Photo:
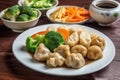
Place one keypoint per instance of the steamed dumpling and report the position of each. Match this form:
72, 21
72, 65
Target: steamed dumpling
85, 39
75, 60
55, 60
93, 36
94, 52
79, 49
99, 41
41, 53
63, 50
73, 39
72, 30
52, 28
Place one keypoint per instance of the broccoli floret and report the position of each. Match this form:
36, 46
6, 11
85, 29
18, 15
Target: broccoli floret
33, 13
50, 1
39, 3
28, 2
32, 18
20, 13
22, 17
46, 5
25, 9
33, 43
53, 40
11, 13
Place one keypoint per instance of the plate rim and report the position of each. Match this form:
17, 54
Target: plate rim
108, 62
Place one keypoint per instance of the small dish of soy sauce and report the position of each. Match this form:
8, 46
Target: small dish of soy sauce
105, 11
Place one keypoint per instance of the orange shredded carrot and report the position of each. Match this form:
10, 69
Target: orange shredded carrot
83, 11
41, 33
65, 33
72, 20
75, 14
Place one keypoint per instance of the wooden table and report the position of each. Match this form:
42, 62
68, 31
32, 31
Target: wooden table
11, 69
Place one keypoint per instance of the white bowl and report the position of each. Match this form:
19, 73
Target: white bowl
50, 11
43, 11
105, 12
19, 26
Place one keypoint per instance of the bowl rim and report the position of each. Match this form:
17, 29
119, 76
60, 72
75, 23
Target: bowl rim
56, 1
96, 2
55, 8
2, 13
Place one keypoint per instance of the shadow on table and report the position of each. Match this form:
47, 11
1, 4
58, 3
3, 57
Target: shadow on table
21, 72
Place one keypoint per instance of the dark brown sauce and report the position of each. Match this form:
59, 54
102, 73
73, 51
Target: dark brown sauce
106, 5
31, 54
87, 61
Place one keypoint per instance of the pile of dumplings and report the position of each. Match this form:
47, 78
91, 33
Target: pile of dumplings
79, 46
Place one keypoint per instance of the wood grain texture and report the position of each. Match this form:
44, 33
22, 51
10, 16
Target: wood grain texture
11, 69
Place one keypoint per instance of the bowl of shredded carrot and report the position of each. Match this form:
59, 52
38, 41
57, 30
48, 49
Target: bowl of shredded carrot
68, 14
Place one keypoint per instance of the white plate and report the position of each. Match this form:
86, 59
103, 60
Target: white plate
26, 59
50, 11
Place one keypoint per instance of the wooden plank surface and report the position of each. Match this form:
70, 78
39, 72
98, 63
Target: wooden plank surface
11, 69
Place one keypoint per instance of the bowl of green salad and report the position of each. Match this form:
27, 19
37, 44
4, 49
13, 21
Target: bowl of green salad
42, 5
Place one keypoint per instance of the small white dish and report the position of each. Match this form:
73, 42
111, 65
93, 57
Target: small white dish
50, 11
23, 56
19, 26
105, 12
